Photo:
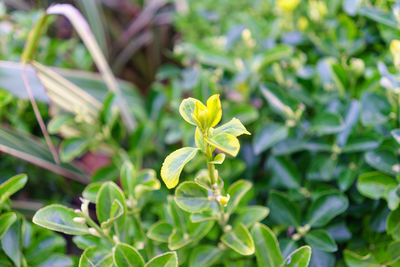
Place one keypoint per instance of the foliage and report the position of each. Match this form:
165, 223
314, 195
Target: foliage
315, 184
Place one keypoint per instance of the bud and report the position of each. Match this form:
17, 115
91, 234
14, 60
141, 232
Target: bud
80, 220
94, 232
357, 66
116, 239
227, 228
85, 206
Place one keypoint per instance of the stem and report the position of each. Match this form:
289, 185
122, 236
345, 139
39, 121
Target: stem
214, 182
91, 223
138, 222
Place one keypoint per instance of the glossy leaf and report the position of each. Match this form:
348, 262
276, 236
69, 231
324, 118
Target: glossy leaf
236, 192
126, 255
168, 259
251, 214
204, 256
283, 210
285, 172
127, 177
233, 127
160, 231
90, 192
228, 143
187, 107
383, 160
72, 148
266, 246
174, 163
321, 240
96, 257
396, 135
214, 110
326, 207
239, 239
6, 220
191, 197
108, 193
327, 123
11, 186
299, 258
59, 218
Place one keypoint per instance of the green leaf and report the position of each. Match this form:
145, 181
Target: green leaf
383, 160
128, 180
108, 193
396, 135
125, 255
6, 220
146, 181
191, 197
276, 103
56, 123
96, 257
327, 123
285, 172
354, 260
204, 256
276, 53
174, 163
116, 211
266, 246
375, 184
393, 224
160, 231
299, 258
339, 76
11, 241
168, 259
268, 136
59, 218
239, 239
219, 159
186, 109
236, 192
326, 207
251, 214
375, 109
228, 143
361, 143
11, 186
72, 148
320, 239
283, 210
90, 192
233, 127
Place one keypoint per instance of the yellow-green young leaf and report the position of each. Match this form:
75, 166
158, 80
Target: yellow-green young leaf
226, 142
239, 239
267, 247
219, 159
174, 163
61, 219
233, 127
96, 257
187, 108
125, 255
191, 197
299, 258
168, 259
214, 110
11, 186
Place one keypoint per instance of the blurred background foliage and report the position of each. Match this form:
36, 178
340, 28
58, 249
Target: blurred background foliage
315, 82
